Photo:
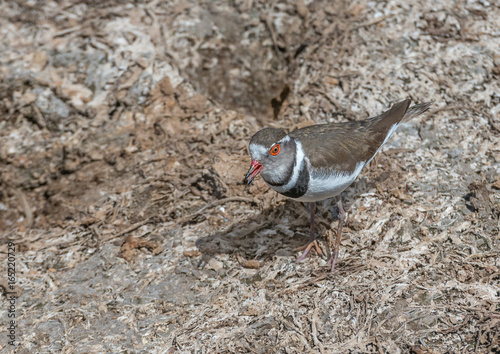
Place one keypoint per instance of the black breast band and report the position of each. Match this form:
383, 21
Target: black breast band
300, 187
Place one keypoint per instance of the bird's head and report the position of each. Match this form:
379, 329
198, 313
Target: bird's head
273, 156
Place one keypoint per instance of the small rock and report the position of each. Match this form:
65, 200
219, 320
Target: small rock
302, 9
79, 95
191, 253
196, 103
461, 276
52, 107
28, 98
143, 63
331, 81
166, 86
39, 61
96, 155
357, 9
215, 264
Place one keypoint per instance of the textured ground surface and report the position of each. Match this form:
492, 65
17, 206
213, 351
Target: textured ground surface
123, 134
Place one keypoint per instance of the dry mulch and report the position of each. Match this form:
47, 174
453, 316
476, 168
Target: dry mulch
123, 142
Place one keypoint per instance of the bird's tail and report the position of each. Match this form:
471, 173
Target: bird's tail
417, 110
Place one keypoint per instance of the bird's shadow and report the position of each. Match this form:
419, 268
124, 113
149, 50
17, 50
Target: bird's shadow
277, 231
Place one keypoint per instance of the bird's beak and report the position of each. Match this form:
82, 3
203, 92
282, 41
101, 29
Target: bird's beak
252, 172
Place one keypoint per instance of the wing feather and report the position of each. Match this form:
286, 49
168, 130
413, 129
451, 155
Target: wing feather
341, 146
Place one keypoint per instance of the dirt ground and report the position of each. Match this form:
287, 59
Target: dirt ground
123, 144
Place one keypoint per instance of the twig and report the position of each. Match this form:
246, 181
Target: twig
269, 25
329, 98
38, 117
26, 207
490, 118
481, 255
314, 321
131, 228
346, 111
465, 108
213, 204
66, 31
372, 22
305, 284
97, 236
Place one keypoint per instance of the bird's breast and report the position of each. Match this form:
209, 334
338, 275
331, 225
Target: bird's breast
320, 185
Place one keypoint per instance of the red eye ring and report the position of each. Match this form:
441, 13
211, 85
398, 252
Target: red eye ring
275, 150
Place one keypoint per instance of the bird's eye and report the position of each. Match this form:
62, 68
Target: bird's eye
275, 150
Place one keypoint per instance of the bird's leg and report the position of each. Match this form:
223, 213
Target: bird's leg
339, 234
312, 238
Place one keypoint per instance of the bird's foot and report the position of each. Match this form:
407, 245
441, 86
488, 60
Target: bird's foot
308, 248
332, 261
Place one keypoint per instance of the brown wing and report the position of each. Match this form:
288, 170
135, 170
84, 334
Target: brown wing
341, 146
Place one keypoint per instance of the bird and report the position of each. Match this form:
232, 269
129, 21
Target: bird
320, 161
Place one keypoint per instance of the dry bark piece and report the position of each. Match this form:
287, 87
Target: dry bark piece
191, 253
302, 9
249, 263
78, 95
7, 291
215, 264
418, 349
479, 198
165, 86
196, 103
211, 182
225, 51
129, 248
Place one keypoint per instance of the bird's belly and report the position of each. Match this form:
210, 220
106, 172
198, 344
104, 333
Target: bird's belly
322, 189
327, 185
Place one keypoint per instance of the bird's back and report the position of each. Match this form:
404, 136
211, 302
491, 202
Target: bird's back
341, 146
